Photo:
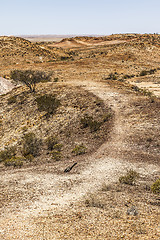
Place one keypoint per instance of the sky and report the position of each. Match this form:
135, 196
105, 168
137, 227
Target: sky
79, 17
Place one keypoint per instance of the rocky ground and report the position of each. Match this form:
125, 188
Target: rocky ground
39, 200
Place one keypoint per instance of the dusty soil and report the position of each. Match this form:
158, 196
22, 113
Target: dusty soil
40, 191
43, 202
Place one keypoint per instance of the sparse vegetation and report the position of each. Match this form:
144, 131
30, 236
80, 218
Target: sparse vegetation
82, 118
79, 149
30, 145
93, 201
30, 77
51, 141
147, 72
7, 153
48, 103
14, 161
88, 121
54, 147
56, 155
156, 186
130, 177
113, 76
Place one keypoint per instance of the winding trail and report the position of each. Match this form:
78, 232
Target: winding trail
53, 191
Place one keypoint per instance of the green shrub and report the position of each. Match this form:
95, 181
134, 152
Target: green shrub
155, 188
79, 149
29, 157
7, 153
51, 142
31, 145
58, 147
48, 103
14, 161
56, 155
129, 178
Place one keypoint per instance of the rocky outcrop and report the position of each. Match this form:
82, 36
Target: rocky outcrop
5, 85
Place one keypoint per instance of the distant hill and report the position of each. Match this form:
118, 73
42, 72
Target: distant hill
16, 50
49, 37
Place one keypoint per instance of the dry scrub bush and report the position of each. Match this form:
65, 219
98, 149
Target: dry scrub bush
30, 78
14, 161
30, 144
79, 150
7, 153
56, 155
155, 188
93, 201
130, 177
48, 103
55, 147
51, 142
88, 121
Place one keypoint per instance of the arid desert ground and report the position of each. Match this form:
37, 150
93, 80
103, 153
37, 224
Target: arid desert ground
105, 92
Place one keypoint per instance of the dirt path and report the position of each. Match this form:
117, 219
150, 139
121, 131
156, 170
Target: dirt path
44, 192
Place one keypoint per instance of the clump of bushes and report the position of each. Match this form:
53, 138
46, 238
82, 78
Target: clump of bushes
55, 147
48, 103
30, 144
155, 188
51, 142
130, 177
7, 153
79, 149
88, 121
14, 161
56, 155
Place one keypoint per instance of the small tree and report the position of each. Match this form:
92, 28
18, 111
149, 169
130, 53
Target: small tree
30, 77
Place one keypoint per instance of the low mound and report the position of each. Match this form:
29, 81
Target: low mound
16, 50
70, 43
60, 121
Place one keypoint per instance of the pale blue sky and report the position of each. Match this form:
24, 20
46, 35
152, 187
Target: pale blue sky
78, 17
